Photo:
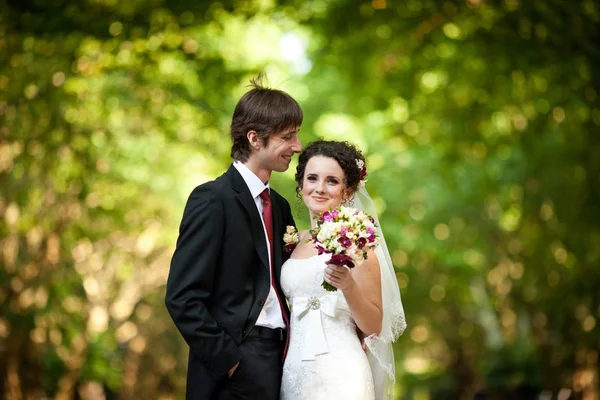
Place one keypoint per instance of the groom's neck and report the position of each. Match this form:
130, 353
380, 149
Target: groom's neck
253, 164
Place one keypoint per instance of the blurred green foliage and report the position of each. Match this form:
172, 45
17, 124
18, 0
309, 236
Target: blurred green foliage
480, 120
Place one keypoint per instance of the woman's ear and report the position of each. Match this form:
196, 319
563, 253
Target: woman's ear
347, 195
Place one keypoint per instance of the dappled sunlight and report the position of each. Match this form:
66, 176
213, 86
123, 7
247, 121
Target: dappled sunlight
416, 365
340, 127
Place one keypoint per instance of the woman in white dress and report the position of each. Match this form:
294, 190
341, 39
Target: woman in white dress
325, 358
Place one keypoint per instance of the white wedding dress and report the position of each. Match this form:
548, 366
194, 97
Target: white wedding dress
325, 359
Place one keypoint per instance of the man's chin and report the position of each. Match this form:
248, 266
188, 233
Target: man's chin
282, 167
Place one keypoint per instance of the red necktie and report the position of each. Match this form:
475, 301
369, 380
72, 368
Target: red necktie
268, 219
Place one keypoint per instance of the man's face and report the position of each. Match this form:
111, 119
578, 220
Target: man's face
278, 153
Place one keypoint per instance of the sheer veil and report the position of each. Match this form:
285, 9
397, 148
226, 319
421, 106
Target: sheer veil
380, 352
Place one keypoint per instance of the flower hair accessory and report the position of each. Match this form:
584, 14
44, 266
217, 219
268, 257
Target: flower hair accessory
290, 238
363, 172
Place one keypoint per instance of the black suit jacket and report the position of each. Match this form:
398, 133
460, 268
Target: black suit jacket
219, 275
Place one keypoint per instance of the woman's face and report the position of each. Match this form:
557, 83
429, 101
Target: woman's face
323, 185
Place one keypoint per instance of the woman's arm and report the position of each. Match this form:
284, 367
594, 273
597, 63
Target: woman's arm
362, 289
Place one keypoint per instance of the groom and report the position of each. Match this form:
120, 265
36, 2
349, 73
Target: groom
223, 291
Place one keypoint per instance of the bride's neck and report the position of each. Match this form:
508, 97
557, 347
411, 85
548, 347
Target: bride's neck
313, 221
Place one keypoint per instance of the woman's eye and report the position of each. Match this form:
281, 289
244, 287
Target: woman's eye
311, 178
333, 181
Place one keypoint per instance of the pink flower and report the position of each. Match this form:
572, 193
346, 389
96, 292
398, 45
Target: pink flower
343, 230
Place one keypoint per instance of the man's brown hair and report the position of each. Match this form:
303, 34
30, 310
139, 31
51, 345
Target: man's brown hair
264, 110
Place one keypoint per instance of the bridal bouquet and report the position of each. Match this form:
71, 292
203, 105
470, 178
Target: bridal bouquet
346, 233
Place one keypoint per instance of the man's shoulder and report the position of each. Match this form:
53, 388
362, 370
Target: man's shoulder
215, 187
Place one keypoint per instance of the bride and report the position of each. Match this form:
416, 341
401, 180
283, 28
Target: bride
325, 359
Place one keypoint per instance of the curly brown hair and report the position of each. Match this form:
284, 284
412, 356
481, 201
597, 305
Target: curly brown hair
264, 110
346, 155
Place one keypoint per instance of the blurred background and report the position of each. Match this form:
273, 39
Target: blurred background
480, 120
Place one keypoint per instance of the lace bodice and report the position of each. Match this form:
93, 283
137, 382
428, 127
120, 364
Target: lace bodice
325, 359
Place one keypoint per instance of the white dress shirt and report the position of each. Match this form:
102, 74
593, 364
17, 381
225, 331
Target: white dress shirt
270, 315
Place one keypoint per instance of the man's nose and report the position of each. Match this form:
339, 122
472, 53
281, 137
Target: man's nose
297, 146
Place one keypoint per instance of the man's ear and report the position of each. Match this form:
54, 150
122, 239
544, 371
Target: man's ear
254, 140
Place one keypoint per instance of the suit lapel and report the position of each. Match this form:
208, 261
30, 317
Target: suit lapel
245, 198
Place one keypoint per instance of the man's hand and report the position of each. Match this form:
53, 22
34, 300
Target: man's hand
232, 370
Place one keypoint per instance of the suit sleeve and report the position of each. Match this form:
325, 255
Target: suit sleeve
191, 278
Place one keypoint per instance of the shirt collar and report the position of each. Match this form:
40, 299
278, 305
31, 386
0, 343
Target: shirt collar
255, 185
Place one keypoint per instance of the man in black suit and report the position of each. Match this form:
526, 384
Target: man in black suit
223, 291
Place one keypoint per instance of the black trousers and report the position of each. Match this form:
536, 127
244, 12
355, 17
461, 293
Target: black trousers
259, 374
